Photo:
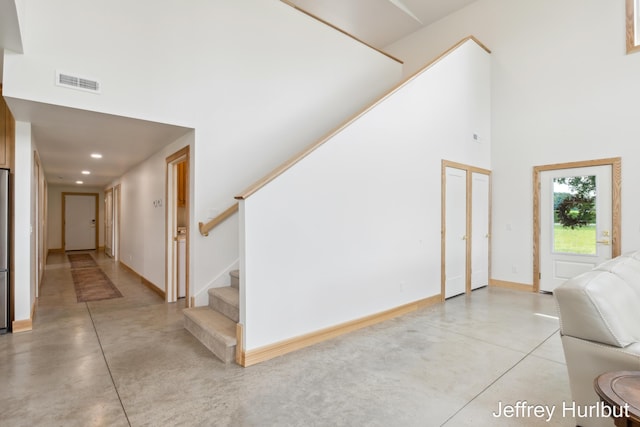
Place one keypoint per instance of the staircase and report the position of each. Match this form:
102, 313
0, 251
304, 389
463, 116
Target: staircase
215, 325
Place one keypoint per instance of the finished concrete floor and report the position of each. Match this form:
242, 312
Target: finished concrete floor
129, 362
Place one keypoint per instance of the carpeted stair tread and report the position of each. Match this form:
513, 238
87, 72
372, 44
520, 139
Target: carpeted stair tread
228, 294
214, 323
225, 300
235, 278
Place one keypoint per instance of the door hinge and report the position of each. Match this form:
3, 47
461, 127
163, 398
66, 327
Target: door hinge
539, 275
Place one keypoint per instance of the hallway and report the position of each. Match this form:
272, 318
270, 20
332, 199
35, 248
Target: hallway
129, 361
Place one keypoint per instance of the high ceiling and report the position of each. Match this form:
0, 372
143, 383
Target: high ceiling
65, 137
380, 23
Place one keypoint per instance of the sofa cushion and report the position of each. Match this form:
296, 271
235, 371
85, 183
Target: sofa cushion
599, 306
625, 267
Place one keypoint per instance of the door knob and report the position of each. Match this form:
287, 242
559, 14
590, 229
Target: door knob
464, 237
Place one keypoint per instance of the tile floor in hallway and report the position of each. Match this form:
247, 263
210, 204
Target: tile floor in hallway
129, 362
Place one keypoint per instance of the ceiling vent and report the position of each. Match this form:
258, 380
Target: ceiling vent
75, 82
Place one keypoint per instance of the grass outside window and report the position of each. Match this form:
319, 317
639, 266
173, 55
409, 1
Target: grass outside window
580, 240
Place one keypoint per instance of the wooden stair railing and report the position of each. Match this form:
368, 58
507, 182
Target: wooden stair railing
205, 228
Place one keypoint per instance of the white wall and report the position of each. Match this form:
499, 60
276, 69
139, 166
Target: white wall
256, 79
54, 215
354, 228
23, 279
142, 234
563, 90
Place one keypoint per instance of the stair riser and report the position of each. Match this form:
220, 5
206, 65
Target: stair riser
220, 305
217, 347
235, 281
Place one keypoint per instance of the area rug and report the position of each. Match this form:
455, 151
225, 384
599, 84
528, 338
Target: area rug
93, 285
81, 260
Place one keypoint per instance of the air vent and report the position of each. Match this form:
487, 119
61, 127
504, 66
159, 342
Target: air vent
75, 82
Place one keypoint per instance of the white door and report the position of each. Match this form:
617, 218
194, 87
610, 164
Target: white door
80, 222
455, 231
479, 230
579, 198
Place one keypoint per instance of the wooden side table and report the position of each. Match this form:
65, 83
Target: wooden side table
620, 391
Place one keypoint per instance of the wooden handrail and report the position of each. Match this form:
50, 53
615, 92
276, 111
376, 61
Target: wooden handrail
206, 228
295, 159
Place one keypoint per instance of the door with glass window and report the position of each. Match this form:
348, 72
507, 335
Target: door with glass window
575, 222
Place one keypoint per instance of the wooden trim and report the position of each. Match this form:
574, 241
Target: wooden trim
149, 284
510, 285
153, 287
240, 355
56, 251
443, 229
205, 228
18, 326
262, 354
64, 206
317, 18
107, 192
304, 153
616, 209
633, 45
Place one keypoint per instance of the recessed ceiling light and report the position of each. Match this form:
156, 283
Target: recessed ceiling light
96, 155
79, 182
86, 173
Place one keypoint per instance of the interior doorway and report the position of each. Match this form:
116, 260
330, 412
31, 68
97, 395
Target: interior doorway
79, 221
115, 231
177, 226
108, 222
466, 228
576, 219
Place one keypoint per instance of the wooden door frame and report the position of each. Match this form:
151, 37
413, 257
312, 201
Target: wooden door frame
64, 205
117, 191
470, 170
616, 211
106, 194
171, 165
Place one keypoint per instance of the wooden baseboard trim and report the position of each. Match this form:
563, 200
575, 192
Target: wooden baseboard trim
18, 326
511, 285
252, 357
153, 287
149, 284
56, 251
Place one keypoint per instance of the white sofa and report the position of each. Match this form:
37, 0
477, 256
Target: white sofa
600, 326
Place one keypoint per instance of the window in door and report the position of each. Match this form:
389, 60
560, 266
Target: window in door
574, 211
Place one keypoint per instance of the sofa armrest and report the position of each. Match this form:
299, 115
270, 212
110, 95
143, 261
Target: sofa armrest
585, 361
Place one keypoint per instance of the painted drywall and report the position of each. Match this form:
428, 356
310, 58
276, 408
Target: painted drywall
143, 207
354, 228
257, 79
54, 214
562, 90
23, 280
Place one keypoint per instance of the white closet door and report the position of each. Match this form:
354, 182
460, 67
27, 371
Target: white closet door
480, 230
455, 232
